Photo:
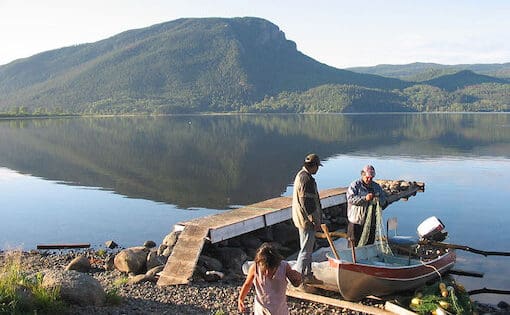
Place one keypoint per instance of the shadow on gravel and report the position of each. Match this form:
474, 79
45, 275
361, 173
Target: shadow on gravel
134, 306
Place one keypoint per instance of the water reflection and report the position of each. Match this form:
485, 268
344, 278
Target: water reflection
217, 161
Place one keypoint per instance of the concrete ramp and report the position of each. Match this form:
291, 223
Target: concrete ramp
181, 263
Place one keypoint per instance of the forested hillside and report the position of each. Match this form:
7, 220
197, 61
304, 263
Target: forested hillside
229, 65
420, 71
186, 65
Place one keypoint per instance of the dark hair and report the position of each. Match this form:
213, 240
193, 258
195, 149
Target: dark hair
267, 257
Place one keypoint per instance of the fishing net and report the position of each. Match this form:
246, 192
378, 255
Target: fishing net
379, 228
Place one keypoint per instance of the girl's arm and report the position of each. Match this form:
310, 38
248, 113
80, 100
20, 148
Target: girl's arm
293, 276
246, 288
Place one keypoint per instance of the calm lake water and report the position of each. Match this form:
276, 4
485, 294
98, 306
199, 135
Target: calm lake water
130, 179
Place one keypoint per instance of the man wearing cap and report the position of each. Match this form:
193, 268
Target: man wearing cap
360, 195
307, 215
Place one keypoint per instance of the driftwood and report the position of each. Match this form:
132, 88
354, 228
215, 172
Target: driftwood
63, 246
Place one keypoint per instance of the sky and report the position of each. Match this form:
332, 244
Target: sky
338, 33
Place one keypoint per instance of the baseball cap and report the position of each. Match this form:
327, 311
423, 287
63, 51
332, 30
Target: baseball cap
313, 158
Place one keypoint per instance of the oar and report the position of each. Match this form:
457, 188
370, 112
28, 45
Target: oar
330, 241
333, 234
486, 290
463, 247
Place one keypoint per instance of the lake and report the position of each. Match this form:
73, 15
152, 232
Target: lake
130, 179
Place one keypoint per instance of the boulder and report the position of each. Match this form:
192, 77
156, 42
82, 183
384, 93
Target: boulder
166, 247
110, 244
285, 233
161, 249
75, 287
250, 241
171, 238
154, 271
232, 258
167, 252
265, 234
80, 263
154, 260
109, 264
149, 244
210, 263
131, 260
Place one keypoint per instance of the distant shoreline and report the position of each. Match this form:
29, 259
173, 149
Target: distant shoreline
21, 117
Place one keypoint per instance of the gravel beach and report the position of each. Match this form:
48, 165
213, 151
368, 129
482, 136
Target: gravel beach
147, 298
200, 297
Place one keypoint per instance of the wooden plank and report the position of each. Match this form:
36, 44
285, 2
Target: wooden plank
332, 192
63, 246
181, 263
333, 201
232, 230
278, 216
337, 302
397, 309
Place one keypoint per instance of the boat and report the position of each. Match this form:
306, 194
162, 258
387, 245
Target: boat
379, 270
376, 273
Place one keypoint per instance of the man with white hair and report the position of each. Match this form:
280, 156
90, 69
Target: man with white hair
361, 194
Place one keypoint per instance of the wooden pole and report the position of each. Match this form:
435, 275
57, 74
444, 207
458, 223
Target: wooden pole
462, 247
330, 241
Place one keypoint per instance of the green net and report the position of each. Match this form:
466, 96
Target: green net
379, 228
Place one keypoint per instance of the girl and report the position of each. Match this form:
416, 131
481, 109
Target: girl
269, 274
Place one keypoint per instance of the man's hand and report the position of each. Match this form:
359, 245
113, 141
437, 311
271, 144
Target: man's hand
369, 196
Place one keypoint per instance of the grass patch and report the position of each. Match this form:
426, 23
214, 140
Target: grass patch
120, 281
113, 297
21, 294
101, 252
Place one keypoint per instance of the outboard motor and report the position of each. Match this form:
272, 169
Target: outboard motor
432, 229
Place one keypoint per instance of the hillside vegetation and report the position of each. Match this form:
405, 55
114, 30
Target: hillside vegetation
219, 65
420, 71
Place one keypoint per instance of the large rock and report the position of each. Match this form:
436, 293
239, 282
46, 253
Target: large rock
75, 287
166, 247
154, 271
232, 258
171, 238
132, 260
210, 263
154, 260
250, 241
80, 263
285, 233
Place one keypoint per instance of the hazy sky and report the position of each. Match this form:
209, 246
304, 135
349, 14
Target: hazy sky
338, 33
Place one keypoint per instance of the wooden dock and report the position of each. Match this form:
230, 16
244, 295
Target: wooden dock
216, 228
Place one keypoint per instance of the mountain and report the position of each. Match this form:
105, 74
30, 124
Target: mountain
420, 71
186, 65
461, 79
